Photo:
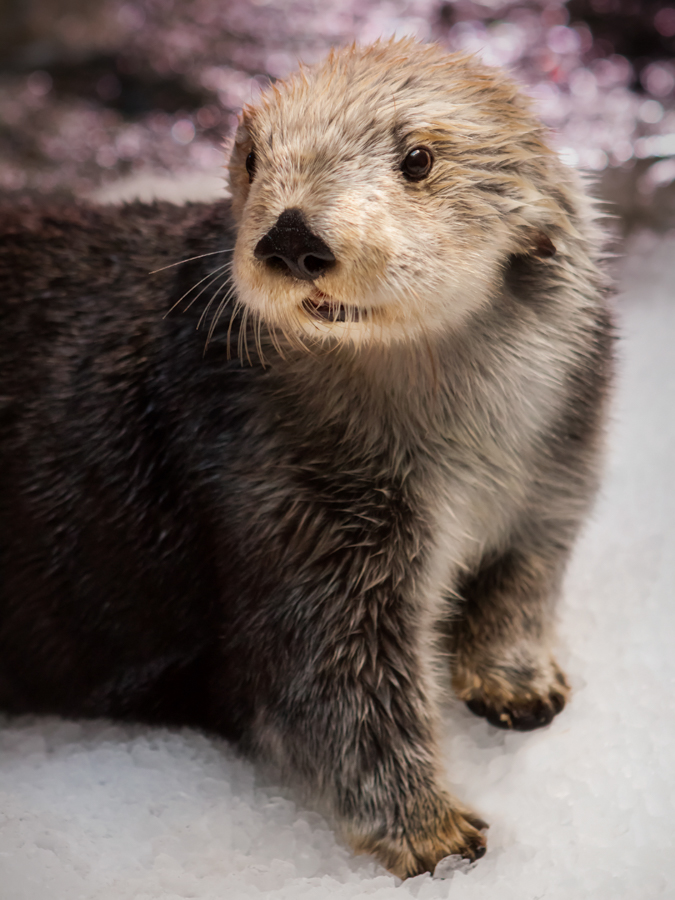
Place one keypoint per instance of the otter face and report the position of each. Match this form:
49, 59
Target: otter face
379, 194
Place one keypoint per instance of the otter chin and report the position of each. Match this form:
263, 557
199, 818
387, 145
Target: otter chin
288, 546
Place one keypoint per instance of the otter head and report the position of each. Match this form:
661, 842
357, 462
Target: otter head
380, 194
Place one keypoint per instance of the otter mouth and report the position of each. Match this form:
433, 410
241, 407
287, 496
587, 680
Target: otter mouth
321, 306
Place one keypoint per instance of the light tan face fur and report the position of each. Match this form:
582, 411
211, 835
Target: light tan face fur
411, 257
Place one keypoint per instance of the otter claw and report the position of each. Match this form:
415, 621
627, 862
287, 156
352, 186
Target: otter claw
523, 717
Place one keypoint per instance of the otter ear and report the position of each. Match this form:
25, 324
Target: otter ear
542, 246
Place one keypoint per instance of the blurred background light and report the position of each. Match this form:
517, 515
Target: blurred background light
94, 91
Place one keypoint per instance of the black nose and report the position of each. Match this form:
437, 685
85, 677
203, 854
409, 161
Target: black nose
291, 248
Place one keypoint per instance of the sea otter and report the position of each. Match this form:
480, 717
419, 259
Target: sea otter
377, 464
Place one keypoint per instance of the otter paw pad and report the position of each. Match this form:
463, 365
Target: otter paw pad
525, 715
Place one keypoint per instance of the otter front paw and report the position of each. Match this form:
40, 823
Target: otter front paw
518, 698
418, 848
520, 714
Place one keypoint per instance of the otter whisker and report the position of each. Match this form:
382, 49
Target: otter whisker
296, 338
243, 309
272, 331
208, 305
206, 287
191, 259
216, 316
235, 312
213, 272
258, 340
243, 338
222, 284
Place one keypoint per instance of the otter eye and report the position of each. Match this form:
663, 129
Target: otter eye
250, 165
417, 164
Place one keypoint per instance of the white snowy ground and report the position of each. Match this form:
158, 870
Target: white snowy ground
582, 809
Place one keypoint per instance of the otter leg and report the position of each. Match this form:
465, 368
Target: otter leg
502, 663
350, 709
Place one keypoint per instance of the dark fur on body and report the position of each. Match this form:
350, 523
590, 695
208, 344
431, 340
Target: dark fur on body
187, 538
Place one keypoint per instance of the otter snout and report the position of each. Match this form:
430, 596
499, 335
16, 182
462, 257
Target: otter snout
290, 247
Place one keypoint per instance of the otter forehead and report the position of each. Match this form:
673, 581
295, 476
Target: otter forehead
315, 113
372, 100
